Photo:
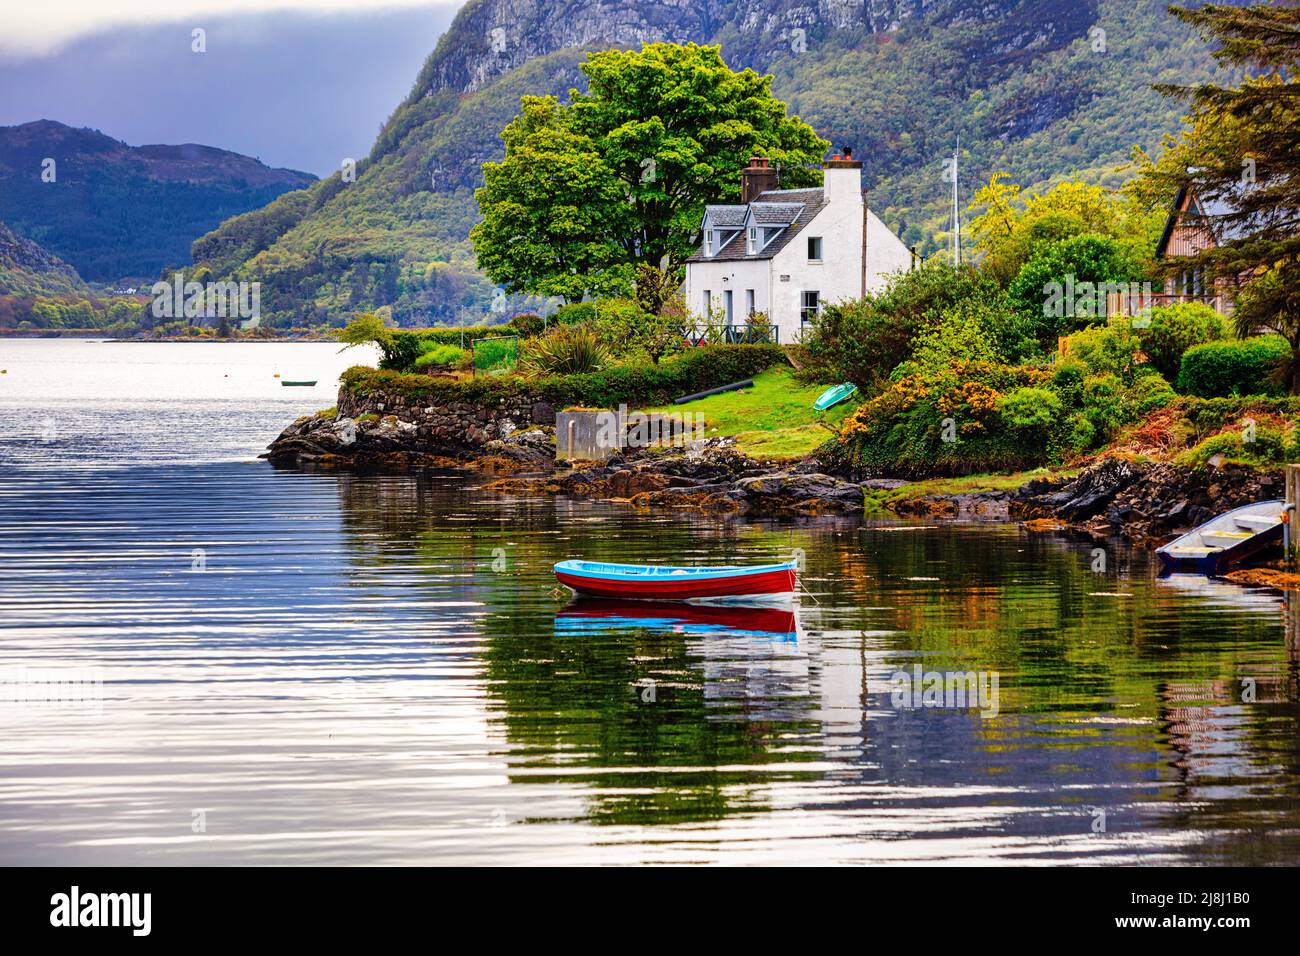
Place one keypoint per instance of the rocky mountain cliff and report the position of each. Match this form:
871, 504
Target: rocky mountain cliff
493, 37
1039, 88
115, 211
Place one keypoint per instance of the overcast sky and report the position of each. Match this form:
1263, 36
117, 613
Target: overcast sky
28, 28
297, 83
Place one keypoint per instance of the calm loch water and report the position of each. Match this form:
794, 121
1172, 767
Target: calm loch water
306, 668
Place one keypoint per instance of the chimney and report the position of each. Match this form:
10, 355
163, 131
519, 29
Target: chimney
842, 178
758, 177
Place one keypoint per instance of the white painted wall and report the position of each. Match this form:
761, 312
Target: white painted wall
839, 275
886, 253
735, 275
779, 282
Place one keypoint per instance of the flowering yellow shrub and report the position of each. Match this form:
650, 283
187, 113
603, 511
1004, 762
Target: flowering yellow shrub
940, 419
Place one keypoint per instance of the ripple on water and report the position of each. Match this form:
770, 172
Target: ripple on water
310, 668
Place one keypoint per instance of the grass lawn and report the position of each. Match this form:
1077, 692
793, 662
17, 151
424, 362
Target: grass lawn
878, 500
774, 419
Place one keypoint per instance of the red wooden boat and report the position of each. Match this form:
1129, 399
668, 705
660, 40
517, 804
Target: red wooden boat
657, 583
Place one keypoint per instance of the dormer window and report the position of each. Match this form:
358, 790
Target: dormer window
751, 241
708, 243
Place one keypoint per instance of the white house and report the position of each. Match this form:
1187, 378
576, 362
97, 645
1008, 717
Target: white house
786, 253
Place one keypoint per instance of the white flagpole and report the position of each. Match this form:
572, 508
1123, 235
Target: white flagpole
956, 216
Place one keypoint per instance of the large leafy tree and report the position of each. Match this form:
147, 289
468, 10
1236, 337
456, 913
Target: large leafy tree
617, 177
1009, 227
1243, 149
550, 209
1064, 285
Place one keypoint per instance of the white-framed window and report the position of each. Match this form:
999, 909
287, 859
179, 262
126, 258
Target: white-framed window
708, 303
814, 248
726, 306
810, 307
749, 303
751, 241
708, 243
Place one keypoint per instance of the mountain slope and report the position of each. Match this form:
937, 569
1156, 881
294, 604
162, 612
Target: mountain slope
115, 211
27, 269
1040, 88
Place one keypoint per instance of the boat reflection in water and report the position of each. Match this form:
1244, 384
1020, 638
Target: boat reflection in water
693, 620
1219, 593
749, 656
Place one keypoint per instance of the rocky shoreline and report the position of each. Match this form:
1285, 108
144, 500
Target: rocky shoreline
1145, 501
707, 476
1141, 501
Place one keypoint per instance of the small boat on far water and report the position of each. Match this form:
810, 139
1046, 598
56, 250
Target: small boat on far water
649, 582
1224, 542
303, 384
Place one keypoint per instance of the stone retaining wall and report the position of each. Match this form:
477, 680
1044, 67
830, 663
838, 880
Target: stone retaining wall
458, 425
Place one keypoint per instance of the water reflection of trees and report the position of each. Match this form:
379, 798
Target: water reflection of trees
640, 715
731, 715
577, 707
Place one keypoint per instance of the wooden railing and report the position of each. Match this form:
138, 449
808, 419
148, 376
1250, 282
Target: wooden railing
1126, 304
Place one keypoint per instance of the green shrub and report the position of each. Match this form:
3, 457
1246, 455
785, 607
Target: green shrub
1105, 350
1149, 392
567, 350
632, 383
629, 331
1105, 405
950, 420
1030, 409
1067, 379
400, 351
1268, 447
527, 324
1061, 287
962, 334
1238, 367
1078, 434
1176, 328
496, 355
864, 340
441, 356
405, 346
575, 313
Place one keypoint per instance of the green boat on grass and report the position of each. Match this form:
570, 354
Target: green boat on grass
833, 396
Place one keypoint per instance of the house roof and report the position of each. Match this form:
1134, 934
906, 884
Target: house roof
1216, 214
775, 213
725, 216
790, 208
1224, 230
